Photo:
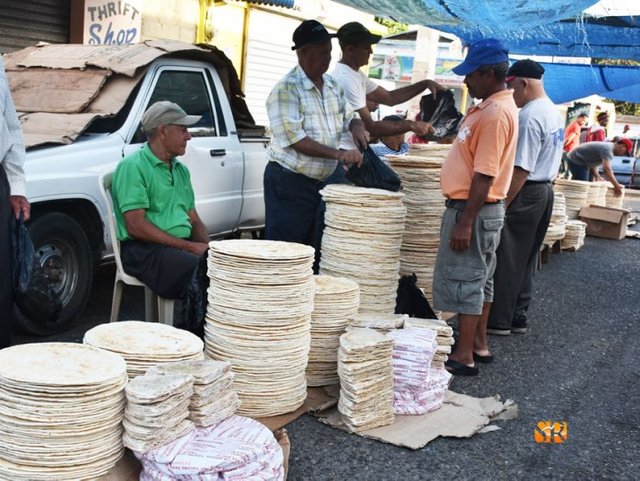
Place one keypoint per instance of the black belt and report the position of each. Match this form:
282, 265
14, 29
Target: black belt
460, 202
532, 182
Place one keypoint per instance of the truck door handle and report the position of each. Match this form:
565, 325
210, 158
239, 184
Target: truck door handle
626, 161
217, 152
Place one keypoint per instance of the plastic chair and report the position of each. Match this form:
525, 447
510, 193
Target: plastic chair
155, 307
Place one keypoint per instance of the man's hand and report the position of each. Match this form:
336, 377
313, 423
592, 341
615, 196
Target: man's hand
351, 157
19, 203
421, 128
360, 134
435, 87
617, 190
460, 236
198, 248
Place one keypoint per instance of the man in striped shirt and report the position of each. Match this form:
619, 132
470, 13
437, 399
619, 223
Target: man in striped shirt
308, 113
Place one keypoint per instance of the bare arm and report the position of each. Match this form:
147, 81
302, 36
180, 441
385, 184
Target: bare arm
517, 181
397, 96
381, 128
461, 235
141, 229
310, 147
617, 188
198, 230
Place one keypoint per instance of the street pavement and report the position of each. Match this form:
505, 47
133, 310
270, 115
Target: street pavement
578, 363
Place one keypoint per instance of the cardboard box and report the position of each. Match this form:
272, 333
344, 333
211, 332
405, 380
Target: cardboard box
605, 222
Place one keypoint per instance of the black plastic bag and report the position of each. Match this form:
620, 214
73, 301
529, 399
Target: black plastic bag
374, 173
32, 292
194, 299
410, 299
441, 113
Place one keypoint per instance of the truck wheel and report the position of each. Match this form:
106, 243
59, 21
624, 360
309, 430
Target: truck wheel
65, 255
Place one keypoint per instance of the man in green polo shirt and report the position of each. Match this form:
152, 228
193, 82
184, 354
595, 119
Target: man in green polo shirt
161, 235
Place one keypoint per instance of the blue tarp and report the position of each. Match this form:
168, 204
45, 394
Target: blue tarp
540, 27
566, 82
536, 27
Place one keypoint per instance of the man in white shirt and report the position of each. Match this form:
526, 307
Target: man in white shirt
13, 200
355, 43
528, 204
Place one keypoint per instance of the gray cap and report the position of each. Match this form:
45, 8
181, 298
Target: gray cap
166, 113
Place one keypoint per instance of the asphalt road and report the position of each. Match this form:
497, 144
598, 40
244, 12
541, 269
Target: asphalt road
577, 363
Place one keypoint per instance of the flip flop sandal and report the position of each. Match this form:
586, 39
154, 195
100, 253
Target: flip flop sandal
483, 359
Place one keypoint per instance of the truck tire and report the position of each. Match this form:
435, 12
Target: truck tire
65, 255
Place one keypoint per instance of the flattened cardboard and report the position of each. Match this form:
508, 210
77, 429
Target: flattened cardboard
605, 222
55, 91
460, 416
318, 399
128, 61
113, 95
42, 128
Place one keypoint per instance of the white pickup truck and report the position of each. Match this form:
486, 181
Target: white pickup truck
80, 110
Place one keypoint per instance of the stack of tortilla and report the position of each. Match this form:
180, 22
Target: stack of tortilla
435, 151
214, 398
380, 322
61, 410
366, 379
597, 193
145, 344
555, 231
611, 200
361, 241
259, 319
574, 234
335, 301
413, 351
157, 410
575, 193
425, 204
444, 337
237, 448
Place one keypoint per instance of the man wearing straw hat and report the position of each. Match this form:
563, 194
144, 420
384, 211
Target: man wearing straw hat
529, 201
308, 113
475, 178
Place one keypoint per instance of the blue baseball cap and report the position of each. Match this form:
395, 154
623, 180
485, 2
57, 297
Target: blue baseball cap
488, 51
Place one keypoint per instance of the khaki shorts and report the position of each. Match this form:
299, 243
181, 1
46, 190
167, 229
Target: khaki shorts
463, 281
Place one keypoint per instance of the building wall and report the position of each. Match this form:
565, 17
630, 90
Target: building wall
172, 19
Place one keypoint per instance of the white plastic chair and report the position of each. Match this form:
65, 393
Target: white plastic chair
155, 307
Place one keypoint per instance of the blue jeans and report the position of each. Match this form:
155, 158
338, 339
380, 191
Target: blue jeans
578, 172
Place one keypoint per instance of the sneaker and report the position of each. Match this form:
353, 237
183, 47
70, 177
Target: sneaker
519, 324
498, 332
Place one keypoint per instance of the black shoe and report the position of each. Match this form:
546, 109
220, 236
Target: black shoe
519, 324
498, 331
458, 369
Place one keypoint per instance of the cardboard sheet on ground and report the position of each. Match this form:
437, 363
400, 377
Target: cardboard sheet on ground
318, 399
461, 416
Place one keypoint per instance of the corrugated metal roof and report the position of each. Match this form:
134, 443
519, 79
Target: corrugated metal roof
24, 23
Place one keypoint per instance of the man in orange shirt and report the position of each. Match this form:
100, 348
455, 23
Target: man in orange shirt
572, 133
572, 139
475, 179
